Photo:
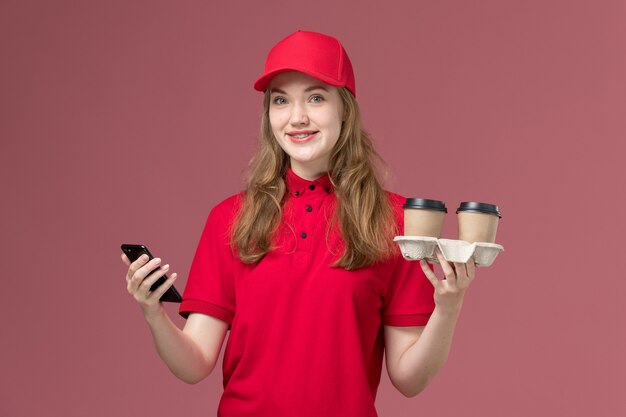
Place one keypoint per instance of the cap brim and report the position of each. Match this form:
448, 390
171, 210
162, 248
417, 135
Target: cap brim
263, 82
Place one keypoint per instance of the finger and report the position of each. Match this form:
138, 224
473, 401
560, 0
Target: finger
134, 267
138, 275
461, 271
146, 284
448, 271
158, 293
143, 291
429, 273
125, 259
471, 268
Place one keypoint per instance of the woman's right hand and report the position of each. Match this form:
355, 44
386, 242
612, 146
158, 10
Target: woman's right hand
140, 277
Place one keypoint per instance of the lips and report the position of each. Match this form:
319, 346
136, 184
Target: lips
309, 135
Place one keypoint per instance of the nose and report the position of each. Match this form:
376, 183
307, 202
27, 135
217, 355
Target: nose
299, 115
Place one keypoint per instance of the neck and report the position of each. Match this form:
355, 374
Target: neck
309, 172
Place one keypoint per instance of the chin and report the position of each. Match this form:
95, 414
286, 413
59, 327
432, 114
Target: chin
304, 160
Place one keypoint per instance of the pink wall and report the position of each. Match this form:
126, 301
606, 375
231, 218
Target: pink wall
126, 121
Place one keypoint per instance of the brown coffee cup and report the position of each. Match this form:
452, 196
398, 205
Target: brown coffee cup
478, 222
423, 217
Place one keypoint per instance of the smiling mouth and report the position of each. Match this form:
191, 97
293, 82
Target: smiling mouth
302, 138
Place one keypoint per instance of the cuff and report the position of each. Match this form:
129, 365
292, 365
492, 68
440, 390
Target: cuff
407, 320
198, 306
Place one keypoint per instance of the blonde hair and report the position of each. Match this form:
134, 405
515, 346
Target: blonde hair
363, 211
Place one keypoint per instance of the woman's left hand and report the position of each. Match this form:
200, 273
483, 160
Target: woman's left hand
450, 290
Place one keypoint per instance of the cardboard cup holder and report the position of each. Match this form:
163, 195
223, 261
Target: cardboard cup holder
414, 248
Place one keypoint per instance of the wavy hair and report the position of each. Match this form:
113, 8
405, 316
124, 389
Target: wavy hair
363, 210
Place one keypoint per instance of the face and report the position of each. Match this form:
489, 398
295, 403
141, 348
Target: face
306, 116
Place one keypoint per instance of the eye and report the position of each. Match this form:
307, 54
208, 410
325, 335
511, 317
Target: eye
320, 99
276, 99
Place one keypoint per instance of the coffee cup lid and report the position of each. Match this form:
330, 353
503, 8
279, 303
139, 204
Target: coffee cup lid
479, 208
423, 203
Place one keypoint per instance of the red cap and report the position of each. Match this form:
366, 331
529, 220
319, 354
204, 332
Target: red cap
318, 55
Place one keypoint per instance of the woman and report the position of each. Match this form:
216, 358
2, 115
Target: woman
301, 266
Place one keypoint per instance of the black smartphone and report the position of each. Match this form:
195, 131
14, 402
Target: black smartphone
133, 252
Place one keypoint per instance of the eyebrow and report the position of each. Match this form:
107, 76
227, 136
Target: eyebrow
313, 87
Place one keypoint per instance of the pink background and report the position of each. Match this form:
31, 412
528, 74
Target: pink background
126, 121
